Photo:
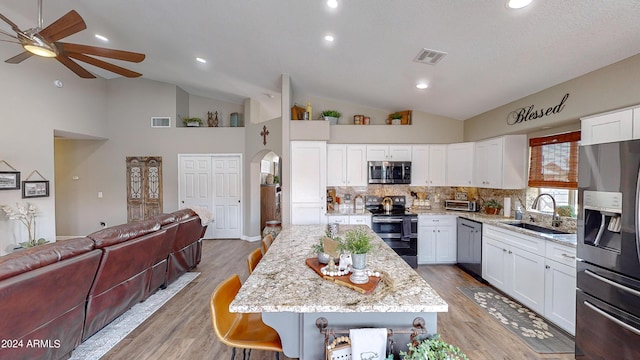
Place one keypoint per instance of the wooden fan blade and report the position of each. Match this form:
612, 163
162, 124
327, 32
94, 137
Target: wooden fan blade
102, 52
11, 23
105, 65
19, 58
68, 24
73, 66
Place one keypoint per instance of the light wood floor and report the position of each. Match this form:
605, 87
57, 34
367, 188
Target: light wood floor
181, 329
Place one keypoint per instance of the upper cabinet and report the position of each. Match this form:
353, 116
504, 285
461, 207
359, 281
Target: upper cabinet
501, 163
429, 165
610, 127
459, 168
388, 152
346, 165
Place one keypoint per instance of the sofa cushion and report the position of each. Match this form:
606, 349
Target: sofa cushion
183, 214
165, 219
40, 256
120, 233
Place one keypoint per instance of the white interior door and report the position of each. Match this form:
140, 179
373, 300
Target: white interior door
226, 197
213, 182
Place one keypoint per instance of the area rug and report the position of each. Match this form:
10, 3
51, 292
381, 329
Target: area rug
539, 335
102, 341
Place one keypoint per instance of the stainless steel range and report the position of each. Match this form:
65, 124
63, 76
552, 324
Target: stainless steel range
395, 225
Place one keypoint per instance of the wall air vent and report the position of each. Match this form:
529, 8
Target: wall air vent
431, 57
160, 122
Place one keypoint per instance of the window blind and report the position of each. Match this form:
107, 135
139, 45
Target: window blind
554, 161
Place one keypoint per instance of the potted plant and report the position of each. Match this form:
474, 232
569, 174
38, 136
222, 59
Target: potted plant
431, 348
396, 118
192, 122
357, 242
492, 207
332, 116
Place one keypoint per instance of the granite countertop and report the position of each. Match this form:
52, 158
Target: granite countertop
500, 221
282, 282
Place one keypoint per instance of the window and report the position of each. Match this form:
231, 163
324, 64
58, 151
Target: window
553, 169
554, 161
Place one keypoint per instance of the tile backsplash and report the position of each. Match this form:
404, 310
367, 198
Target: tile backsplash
522, 198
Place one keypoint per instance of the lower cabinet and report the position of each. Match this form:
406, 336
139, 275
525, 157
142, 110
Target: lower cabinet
560, 295
437, 239
349, 219
517, 272
538, 273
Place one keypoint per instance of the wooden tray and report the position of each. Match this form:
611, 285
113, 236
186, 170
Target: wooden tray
344, 280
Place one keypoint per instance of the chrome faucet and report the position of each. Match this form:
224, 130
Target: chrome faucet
555, 220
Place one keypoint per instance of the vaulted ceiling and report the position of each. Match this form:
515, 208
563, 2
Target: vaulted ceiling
494, 55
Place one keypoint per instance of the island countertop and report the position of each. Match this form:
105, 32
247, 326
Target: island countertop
282, 282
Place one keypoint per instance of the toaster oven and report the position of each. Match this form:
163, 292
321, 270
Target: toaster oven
461, 205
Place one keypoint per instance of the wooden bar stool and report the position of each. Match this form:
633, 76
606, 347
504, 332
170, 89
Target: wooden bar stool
240, 330
266, 243
253, 259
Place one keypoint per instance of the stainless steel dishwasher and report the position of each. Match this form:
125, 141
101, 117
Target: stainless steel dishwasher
470, 247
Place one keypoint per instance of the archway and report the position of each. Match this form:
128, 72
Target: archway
264, 162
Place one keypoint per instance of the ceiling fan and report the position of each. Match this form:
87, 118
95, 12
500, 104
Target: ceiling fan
44, 42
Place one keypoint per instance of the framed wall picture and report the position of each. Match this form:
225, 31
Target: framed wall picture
9, 180
37, 188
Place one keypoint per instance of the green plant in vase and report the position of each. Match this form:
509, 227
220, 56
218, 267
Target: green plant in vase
492, 207
357, 242
395, 116
192, 121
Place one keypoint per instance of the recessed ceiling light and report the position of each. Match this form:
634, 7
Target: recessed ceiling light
201, 60
422, 86
329, 38
332, 3
517, 4
101, 37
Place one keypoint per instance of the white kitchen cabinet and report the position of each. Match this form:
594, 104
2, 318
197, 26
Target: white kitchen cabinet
360, 220
460, 164
636, 123
560, 295
308, 182
437, 239
349, 219
515, 264
338, 219
501, 163
428, 165
609, 127
346, 165
388, 152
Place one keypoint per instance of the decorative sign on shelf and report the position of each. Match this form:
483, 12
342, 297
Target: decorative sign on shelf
530, 113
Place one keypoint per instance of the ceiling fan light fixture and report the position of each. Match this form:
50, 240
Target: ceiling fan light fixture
40, 50
37, 46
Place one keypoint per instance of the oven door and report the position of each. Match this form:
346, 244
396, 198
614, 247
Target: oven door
387, 227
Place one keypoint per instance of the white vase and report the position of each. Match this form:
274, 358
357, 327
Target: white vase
359, 275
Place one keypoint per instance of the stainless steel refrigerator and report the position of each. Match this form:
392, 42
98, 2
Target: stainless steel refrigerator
608, 268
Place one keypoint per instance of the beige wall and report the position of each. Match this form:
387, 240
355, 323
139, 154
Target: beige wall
31, 109
609, 88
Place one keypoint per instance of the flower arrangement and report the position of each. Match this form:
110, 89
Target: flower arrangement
26, 214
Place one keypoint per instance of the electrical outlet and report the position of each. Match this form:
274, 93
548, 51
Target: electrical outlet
103, 224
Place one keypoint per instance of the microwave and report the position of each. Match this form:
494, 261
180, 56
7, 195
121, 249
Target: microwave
389, 172
461, 205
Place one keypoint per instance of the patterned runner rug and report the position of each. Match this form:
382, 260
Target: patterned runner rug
541, 336
102, 341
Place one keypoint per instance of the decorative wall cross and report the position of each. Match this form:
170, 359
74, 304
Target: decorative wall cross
264, 134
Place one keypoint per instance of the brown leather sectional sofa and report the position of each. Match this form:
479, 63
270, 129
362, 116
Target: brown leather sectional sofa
54, 296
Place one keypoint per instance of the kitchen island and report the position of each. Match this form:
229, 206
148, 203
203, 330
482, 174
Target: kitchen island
291, 296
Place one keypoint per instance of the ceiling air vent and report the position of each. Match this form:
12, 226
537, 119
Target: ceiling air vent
431, 57
161, 122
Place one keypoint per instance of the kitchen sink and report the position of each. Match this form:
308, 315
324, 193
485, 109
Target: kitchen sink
536, 228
